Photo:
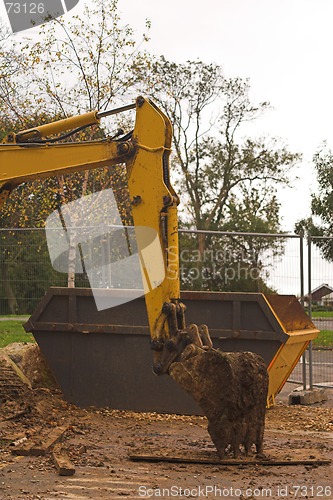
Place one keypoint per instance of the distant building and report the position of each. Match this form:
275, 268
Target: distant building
322, 295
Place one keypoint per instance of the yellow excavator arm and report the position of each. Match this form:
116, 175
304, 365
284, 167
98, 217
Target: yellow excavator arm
185, 353
34, 154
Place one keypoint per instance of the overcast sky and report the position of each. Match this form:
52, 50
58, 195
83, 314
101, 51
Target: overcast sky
283, 46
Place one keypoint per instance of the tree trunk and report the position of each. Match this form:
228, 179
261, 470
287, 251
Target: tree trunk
9, 294
201, 248
71, 263
201, 245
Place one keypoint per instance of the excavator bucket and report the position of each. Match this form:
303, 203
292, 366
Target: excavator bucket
231, 389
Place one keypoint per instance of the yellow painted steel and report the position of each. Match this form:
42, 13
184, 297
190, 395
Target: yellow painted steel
147, 173
300, 330
283, 364
23, 163
146, 156
56, 127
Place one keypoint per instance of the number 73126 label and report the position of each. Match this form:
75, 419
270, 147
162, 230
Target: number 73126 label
310, 491
25, 8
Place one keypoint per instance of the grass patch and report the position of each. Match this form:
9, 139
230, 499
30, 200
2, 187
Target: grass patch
322, 314
13, 331
324, 339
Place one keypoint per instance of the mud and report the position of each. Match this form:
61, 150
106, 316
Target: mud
231, 389
35, 368
99, 441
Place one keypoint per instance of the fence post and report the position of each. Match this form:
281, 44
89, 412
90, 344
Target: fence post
301, 263
310, 311
301, 255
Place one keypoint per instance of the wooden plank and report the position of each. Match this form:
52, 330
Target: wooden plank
62, 462
217, 461
17, 370
53, 437
40, 448
24, 450
18, 414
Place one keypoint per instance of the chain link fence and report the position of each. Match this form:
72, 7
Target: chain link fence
319, 300
241, 262
209, 261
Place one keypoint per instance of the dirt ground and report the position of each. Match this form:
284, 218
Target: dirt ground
99, 443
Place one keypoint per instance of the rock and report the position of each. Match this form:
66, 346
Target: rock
307, 397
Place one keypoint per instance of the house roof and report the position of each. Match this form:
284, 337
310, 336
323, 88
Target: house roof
321, 291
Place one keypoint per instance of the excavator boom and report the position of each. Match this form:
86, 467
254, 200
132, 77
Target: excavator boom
146, 156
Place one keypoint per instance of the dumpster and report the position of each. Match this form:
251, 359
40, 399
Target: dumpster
103, 358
